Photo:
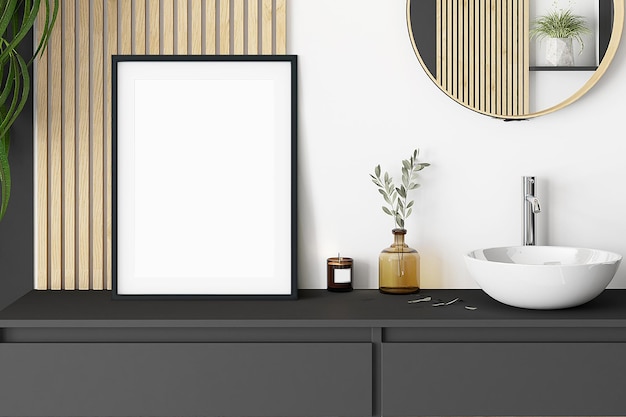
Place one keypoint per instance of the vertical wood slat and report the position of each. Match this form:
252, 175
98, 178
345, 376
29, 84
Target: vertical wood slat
69, 152
253, 27
210, 27
55, 113
525, 8
154, 27
196, 27
97, 134
238, 27
73, 112
41, 175
182, 27
224, 27
83, 146
139, 25
482, 54
439, 41
167, 39
281, 27
266, 27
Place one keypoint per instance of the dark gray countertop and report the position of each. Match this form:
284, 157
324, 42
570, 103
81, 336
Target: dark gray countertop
313, 308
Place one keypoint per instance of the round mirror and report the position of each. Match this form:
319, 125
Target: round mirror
504, 59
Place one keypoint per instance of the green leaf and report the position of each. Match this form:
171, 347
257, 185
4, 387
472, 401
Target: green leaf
410, 204
5, 178
414, 186
406, 164
17, 18
385, 196
408, 213
377, 171
386, 210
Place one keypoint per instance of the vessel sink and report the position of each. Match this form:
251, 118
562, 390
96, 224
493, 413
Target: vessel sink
542, 277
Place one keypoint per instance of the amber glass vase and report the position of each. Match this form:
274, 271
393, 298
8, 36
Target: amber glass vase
399, 267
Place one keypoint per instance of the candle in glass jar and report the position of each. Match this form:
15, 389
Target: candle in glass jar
339, 273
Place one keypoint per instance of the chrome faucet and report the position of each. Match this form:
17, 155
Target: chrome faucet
530, 207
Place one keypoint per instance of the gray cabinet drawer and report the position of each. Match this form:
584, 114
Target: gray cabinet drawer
185, 379
503, 379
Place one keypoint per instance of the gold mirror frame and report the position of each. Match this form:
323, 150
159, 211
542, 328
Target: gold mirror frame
616, 34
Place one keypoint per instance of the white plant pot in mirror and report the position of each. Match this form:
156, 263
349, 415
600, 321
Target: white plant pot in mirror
559, 52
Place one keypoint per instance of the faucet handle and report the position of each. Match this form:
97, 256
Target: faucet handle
534, 202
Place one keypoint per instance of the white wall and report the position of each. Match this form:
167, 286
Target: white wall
365, 100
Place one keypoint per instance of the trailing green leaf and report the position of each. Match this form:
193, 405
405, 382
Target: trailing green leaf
17, 18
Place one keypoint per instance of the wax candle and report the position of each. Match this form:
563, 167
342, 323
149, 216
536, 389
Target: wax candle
339, 273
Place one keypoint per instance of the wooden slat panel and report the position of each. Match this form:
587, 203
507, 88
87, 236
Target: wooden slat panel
281, 27
482, 53
112, 38
224, 27
167, 39
41, 140
69, 138
55, 113
266, 27
196, 27
238, 27
83, 146
97, 149
73, 134
210, 27
154, 27
139, 25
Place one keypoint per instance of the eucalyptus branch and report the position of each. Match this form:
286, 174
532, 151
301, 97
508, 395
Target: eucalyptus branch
396, 197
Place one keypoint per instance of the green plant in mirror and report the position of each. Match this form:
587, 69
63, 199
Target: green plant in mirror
560, 24
17, 18
396, 197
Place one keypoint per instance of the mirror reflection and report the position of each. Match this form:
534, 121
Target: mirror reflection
498, 56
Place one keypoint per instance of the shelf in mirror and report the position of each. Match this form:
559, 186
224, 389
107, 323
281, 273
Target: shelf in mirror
574, 68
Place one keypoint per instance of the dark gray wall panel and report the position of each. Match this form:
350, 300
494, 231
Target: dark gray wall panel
185, 379
16, 229
487, 379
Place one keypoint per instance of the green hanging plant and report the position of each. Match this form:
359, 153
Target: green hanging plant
560, 24
17, 18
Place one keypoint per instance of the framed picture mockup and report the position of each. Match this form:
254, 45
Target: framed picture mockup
204, 176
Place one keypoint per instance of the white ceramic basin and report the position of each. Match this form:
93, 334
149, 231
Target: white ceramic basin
542, 277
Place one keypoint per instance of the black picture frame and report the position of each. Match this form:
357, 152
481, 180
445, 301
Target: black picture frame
204, 171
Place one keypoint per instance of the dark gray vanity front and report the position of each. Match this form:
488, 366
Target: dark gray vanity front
326, 354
